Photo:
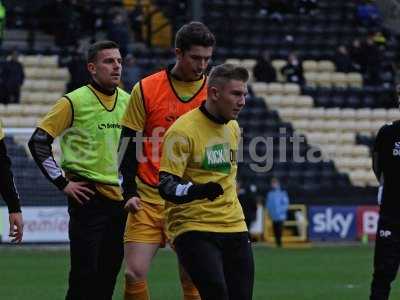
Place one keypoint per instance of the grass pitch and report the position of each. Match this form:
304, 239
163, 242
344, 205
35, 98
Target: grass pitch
328, 273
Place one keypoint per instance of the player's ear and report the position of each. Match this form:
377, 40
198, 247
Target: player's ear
178, 53
213, 92
91, 68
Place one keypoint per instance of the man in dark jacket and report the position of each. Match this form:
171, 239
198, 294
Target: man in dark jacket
263, 70
13, 78
386, 162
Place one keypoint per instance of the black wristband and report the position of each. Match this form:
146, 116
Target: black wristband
14, 208
60, 182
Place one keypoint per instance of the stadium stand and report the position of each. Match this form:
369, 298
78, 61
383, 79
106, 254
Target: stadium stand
337, 113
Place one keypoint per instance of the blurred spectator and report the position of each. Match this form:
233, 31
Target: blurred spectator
342, 60
379, 40
3, 93
263, 70
356, 54
61, 18
307, 6
277, 204
275, 8
372, 60
2, 21
293, 70
136, 22
88, 18
368, 14
78, 73
13, 78
248, 201
131, 72
118, 32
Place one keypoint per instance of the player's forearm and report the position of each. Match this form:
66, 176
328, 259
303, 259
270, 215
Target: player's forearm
376, 165
174, 189
128, 162
40, 147
7, 187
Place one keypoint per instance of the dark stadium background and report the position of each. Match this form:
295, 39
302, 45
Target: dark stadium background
335, 108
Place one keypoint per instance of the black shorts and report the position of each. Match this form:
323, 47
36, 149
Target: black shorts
220, 264
386, 258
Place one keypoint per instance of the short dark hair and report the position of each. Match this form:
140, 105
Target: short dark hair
221, 74
97, 47
194, 34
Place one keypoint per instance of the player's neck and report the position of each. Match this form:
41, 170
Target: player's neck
211, 112
102, 89
177, 73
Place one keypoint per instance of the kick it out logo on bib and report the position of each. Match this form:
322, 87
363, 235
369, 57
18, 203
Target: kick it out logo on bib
217, 158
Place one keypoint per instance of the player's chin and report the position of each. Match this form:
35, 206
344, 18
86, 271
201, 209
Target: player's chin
196, 75
116, 80
235, 115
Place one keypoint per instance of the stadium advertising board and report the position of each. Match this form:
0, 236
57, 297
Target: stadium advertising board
367, 221
41, 224
332, 223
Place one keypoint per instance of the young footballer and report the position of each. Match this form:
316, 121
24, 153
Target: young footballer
88, 121
156, 102
204, 218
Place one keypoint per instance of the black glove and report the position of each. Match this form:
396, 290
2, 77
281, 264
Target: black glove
210, 190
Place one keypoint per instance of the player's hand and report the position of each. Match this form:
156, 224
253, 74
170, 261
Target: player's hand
210, 190
79, 191
213, 190
133, 204
16, 227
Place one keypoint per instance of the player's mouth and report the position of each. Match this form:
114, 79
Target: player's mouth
237, 111
198, 73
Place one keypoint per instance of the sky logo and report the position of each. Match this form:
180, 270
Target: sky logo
332, 222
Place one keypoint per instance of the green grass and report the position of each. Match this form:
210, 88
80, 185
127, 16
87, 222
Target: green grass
328, 273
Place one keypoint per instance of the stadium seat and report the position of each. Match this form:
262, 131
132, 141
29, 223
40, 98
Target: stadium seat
379, 114
393, 114
347, 138
332, 114
302, 113
13, 110
275, 88
324, 80
363, 114
326, 66
288, 113
291, 89
304, 101
310, 66
273, 100
348, 114
375, 126
360, 151
289, 101
260, 88
301, 125
347, 125
339, 80
364, 126
311, 78
317, 113
354, 80
248, 63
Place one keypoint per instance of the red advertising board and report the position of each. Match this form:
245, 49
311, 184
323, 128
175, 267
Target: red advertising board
367, 221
